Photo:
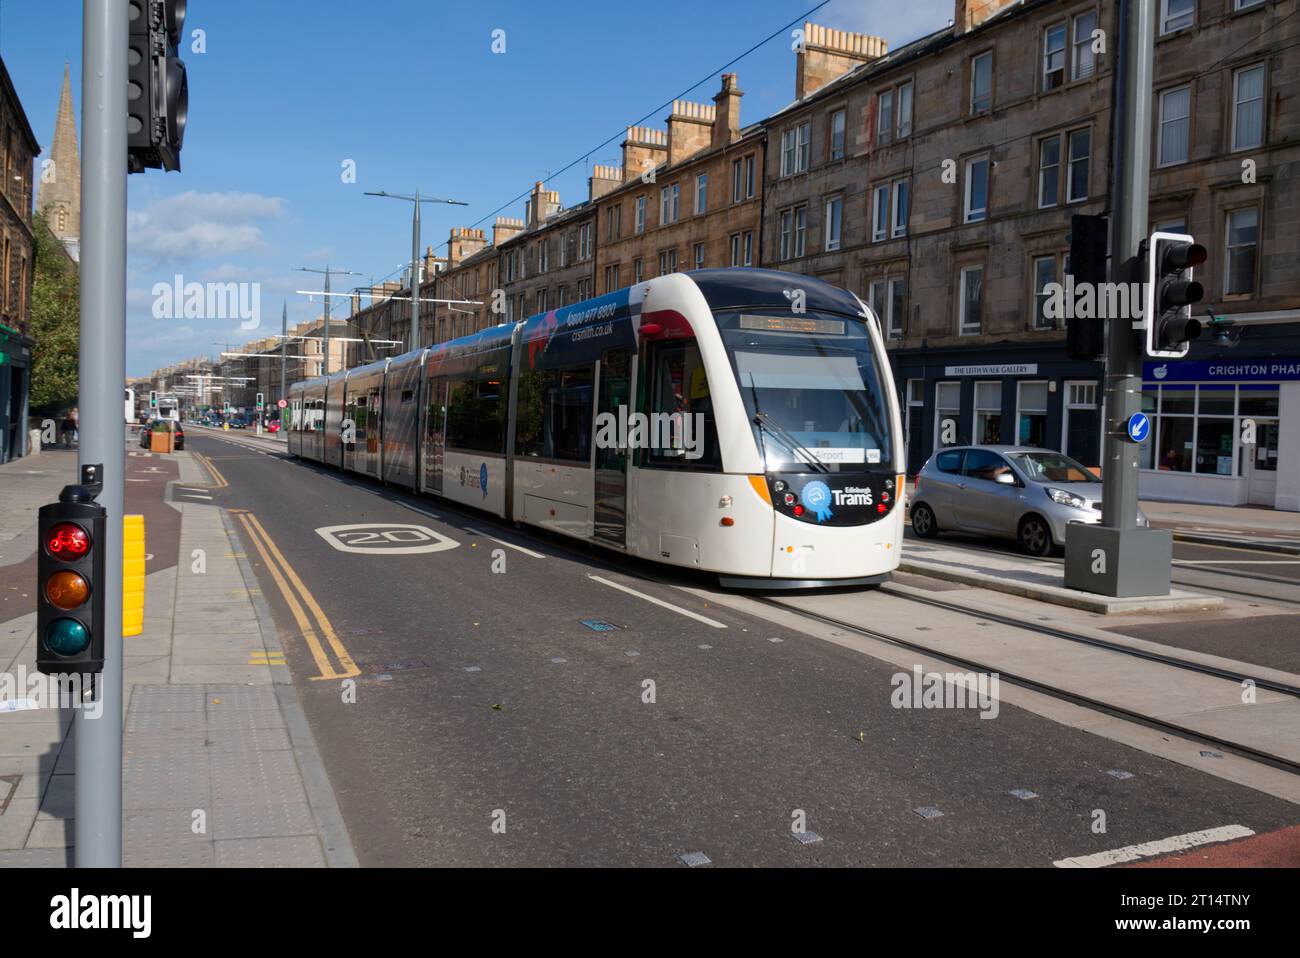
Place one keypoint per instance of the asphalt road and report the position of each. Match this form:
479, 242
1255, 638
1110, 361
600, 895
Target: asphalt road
483, 696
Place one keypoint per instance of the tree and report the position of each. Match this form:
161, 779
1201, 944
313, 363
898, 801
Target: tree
55, 322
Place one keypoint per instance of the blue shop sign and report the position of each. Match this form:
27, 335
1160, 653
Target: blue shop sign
1223, 370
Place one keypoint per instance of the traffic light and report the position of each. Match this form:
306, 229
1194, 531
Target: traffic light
153, 399
1085, 338
1171, 292
158, 96
260, 403
70, 577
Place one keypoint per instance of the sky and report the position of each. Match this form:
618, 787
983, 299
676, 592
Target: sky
285, 92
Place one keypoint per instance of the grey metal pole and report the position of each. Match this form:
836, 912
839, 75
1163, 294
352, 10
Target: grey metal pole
102, 365
415, 274
284, 346
325, 344
1129, 196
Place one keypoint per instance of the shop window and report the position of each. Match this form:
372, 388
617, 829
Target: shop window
1032, 414
947, 419
988, 413
1214, 446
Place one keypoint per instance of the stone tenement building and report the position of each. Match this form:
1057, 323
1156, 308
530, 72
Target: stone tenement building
937, 181
16, 246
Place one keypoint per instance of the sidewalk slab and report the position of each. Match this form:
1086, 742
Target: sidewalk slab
1031, 579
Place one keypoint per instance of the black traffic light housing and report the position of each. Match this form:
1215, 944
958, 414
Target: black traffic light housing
1171, 293
75, 510
157, 98
1085, 338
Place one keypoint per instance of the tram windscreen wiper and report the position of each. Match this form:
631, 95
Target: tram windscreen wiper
766, 424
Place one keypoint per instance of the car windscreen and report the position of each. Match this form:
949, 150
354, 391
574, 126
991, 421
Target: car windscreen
1052, 467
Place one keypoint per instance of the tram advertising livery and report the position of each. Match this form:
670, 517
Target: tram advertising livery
737, 421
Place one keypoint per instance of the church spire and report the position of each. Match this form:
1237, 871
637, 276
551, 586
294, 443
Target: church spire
59, 194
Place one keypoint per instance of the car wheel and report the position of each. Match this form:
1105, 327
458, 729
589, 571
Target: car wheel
923, 522
1035, 536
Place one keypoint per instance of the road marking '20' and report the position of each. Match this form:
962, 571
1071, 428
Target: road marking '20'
386, 538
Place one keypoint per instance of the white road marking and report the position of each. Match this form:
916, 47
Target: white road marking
1178, 843
659, 602
1237, 562
508, 545
385, 538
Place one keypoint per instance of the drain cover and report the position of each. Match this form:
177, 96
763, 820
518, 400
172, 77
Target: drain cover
600, 625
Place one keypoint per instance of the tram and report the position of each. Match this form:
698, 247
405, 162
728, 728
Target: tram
741, 422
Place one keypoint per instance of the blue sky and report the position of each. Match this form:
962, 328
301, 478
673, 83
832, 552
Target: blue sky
286, 91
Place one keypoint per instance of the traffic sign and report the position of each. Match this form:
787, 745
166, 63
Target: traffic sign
283, 403
1138, 428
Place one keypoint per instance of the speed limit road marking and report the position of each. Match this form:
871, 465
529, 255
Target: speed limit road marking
385, 538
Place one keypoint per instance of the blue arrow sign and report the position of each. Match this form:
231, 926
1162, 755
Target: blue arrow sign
1139, 427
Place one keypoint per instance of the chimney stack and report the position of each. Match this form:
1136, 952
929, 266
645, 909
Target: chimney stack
690, 129
541, 204
505, 228
826, 54
726, 124
643, 150
463, 243
603, 179
969, 14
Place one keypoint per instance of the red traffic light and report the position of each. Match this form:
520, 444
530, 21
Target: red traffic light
67, 541
1180, 256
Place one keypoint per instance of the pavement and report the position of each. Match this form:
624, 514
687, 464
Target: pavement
220, 766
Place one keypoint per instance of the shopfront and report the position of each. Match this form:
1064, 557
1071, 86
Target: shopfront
1031, 395
1224, 431
15, 360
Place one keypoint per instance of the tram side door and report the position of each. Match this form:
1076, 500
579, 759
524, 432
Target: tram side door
435, 435
610, 515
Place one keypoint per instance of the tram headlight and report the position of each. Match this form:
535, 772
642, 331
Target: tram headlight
779, 485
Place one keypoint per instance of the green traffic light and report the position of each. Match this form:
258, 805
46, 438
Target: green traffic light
66, 637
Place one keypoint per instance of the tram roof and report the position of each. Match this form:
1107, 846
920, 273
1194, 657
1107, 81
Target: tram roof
739, 288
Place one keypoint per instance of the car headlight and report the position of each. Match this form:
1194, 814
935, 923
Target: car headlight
1066, 498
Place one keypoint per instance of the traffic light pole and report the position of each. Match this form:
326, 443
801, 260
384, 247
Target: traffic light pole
1118, 558
102, 368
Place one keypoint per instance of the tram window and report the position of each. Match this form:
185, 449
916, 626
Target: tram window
476, 416
554, 414
682, 430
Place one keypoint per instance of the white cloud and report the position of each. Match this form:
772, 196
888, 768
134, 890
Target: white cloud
193, 225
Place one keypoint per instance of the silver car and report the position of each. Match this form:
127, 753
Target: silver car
1014, 492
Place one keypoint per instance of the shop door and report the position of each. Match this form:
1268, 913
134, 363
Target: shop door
1259, 464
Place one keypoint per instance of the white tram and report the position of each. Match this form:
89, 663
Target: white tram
737, 421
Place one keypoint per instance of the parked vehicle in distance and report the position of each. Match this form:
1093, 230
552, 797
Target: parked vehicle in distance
1013, 492
147, 428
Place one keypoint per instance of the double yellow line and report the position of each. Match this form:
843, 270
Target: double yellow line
288, 582
219, 481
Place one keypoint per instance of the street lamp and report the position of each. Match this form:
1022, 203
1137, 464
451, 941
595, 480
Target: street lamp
325, 347
415, 201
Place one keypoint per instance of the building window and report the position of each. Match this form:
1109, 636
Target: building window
1049, 171
981, 83
735, 249
699, 256
794, 152
947, 410
1242, 251
638, 270
1031, 414
1044, 273
564, 250
543, 256
749, 248
1054, 57
787, 233
988, 413
887, 298
899, 218
800, 230
1080, 148
1084, 62
977, 189
884, 117
880, 213
1245, 4
543, 295
738, 182
836, 138
701, 192
1176, 14
614, 222
584, 241
904, 126
749, 165
1175, 126
970, 292
669, 204
667, 262
833, 215
611, 278
794, 223
640, 214
1248, 108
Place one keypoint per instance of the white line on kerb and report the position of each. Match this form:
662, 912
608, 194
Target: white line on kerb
1131, 853
660, 602
508, 545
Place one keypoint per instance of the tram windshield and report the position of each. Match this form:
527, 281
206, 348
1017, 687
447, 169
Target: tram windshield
812, 390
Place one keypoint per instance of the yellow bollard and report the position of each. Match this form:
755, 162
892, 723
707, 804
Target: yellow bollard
132, 575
